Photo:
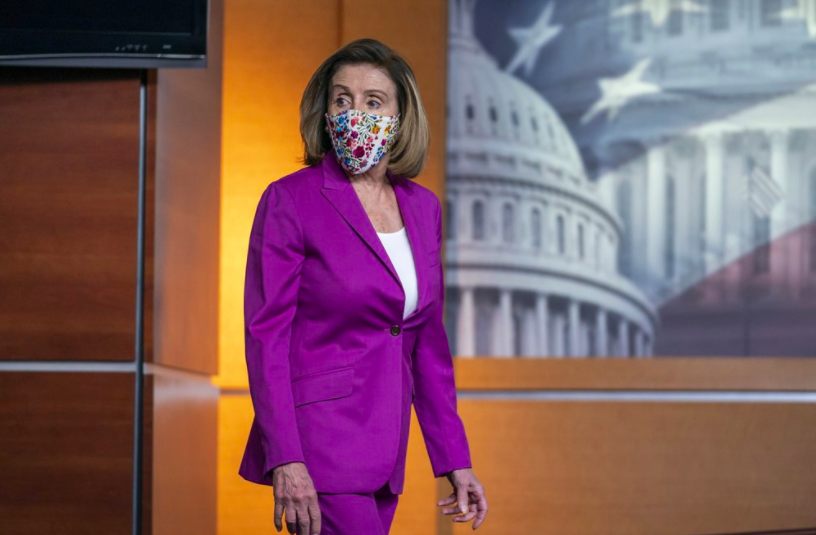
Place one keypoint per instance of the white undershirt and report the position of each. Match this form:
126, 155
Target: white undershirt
399, 251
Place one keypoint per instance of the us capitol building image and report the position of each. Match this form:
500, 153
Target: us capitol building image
531, 244
692, 234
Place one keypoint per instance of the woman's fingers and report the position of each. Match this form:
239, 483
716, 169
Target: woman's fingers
471, 514
481, 507
278, 515
450, 499
314, 516
447, 501
302, 517
296, 496
304, 521
291, 517
480, 516
306, 507
468, 499
462, 498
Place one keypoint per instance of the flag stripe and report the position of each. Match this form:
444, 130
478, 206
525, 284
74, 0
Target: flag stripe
761, 191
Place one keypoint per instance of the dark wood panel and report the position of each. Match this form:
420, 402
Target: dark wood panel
66, 444
69, 143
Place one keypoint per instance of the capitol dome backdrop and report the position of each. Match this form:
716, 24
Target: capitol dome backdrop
631, 179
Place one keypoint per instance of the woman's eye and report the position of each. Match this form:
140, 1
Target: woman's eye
340, 101
375, 102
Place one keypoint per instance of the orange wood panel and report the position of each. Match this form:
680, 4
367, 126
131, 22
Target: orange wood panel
68, 194
188, 209
243, 507
183, 436
66, 444
271, 50
805, 531
669, 373
580, 468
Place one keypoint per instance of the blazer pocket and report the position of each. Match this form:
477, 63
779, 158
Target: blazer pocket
323, 385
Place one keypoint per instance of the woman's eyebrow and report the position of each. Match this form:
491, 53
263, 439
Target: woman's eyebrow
373, 91
367, 92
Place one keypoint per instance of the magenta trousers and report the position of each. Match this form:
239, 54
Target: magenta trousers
354, 514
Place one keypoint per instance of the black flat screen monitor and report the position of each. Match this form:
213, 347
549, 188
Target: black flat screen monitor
104, 33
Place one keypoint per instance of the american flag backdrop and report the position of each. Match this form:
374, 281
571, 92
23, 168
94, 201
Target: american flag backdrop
632, 178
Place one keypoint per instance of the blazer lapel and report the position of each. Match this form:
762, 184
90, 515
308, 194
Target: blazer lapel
339, 192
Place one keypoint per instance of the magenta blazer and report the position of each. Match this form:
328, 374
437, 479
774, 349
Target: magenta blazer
330, 358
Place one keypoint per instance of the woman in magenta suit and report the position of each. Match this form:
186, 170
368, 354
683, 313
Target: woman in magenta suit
343, 310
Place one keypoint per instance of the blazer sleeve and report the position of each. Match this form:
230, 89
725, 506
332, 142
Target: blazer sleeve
274, 262
434, 387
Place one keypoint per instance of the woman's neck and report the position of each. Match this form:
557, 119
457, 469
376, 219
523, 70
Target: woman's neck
374, 179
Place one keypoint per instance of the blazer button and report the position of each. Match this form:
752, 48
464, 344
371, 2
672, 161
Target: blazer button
395, 330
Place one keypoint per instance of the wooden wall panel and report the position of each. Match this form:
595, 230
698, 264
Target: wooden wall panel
66, 444
271, 50
243, 507
69, 150
667, 373
188, 209
68, 190
66, 451
585, 468
184, 434
588, 467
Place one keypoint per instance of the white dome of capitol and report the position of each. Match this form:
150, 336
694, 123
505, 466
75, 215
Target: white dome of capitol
531, 241
500, 121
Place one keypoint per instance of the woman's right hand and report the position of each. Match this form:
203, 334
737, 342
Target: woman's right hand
294, 492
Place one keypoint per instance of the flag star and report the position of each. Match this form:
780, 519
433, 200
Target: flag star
530, 40
805, 10
616, 92
658, 10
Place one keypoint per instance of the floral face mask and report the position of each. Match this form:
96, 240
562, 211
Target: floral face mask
360, 138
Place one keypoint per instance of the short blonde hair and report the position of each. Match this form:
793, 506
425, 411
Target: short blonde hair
409, 150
